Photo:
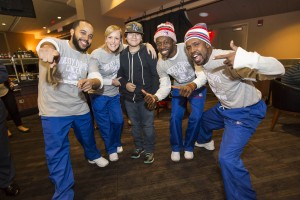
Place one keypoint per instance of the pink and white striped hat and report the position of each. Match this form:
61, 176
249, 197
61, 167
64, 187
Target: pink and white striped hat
165, 29
198, 31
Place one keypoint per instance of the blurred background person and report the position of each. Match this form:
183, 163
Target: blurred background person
7, 169
9, 100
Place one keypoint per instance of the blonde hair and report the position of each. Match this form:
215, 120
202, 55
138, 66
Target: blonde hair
107, 32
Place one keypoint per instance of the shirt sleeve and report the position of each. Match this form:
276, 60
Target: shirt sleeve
201, 78
93, 71
50, 40
263, 65
164, 88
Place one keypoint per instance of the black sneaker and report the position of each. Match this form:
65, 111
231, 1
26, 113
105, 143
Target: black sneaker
137, 153
149, 158
12, 190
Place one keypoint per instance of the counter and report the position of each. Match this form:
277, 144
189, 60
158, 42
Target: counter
26, 90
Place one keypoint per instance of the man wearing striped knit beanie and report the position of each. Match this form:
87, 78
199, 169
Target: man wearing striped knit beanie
240, 108
188, 87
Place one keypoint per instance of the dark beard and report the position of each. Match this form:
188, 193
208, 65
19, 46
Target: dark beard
78, 48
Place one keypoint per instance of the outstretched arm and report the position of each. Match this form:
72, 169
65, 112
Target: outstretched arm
240, 58
49, 53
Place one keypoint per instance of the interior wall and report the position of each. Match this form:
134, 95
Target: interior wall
279, 36
3, 47
21, 41
92, 10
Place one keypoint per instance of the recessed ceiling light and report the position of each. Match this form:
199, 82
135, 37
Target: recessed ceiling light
58, 17
44, 27
3, 24
203, 14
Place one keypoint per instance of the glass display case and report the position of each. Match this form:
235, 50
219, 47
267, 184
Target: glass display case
24, 73
21, 69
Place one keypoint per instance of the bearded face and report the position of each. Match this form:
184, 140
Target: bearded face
80, 44
81, 37
198, 51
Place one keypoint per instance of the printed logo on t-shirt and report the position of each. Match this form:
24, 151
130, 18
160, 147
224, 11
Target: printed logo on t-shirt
181, 72
216, 86
72, 69
111, 67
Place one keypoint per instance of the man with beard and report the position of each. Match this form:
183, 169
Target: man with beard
240, 108
174, 62
64, 73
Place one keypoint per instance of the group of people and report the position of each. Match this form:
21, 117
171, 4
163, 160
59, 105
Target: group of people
67, 70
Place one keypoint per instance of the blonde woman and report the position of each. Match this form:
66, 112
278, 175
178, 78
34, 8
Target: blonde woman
106, 101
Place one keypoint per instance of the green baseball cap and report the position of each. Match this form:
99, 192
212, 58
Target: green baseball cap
134, 27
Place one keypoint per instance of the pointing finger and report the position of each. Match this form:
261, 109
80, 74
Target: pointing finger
224, 56
144, 92
232, 45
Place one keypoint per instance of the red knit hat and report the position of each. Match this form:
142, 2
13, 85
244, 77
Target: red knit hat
198, 31
165, 29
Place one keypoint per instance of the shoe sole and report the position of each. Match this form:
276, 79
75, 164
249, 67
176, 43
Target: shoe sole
136, 157
203, 146
114, 160
149, 162
93, 162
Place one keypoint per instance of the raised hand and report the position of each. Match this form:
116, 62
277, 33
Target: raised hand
185, 90
151, 50
229, 58
49, 54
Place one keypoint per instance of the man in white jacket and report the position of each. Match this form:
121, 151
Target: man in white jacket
240, 108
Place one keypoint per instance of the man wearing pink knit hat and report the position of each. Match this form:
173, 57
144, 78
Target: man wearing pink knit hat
240, 108
188, 87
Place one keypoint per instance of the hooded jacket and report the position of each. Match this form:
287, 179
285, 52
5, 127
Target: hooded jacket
140, 69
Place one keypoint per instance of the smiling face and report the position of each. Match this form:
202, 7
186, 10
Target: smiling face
198, 50
113, 41
134, 39
81, 36
166, 47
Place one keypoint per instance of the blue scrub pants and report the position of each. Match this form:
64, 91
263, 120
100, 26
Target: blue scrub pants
179, 104
142, 128
57, 149
239, 125
108, 114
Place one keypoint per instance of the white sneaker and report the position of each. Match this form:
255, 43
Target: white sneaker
209, 146
119, 149
175, 156
188, 155
101, 162
113, 157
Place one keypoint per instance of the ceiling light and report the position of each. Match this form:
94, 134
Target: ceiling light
3, 24
58, 17
203, 14
44, 27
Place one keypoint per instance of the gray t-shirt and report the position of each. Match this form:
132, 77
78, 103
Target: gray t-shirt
179, 67
232, 92
65, 99
108, 64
